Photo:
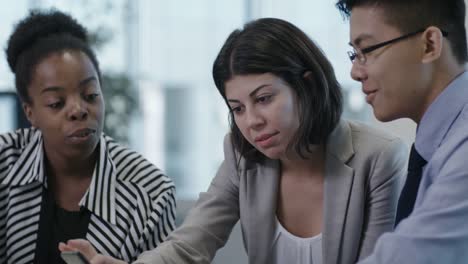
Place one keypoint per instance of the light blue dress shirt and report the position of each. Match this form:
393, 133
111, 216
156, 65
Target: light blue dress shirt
437, 229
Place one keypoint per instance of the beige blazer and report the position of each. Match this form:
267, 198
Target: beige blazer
364, 172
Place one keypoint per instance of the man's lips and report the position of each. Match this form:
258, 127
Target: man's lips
370, 94
367, 90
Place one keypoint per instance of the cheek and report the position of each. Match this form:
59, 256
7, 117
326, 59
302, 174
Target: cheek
240, 123
98, 110
49, 127
37, 118
398, 73
395, 87
288, 116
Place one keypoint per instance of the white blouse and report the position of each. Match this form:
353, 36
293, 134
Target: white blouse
288, 248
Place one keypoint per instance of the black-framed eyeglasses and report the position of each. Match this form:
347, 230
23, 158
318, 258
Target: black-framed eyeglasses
360, 54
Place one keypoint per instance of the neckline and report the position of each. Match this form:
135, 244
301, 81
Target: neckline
282, 230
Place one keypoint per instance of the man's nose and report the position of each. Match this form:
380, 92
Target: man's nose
358, 72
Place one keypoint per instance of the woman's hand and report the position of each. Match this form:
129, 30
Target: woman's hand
88, 251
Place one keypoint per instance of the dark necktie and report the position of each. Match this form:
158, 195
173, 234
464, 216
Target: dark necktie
410, 190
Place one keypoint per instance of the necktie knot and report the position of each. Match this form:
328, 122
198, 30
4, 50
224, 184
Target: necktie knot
416, 161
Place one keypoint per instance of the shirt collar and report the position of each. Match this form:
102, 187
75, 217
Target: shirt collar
29, 165
100, 196
440, 115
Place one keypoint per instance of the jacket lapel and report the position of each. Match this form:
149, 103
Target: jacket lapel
25, 182
22, 222
338, 184
339, 177
100, 196
262, 213
29, 166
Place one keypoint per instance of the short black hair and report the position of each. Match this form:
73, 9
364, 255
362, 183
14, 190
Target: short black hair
411, 15
38, 35
275, 46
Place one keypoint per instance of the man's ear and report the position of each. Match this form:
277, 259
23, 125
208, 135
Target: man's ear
433, 41
27, 108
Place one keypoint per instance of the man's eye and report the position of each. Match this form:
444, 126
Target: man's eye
91, 97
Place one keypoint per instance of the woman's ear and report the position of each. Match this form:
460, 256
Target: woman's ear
433, 40
307, 74
27, 108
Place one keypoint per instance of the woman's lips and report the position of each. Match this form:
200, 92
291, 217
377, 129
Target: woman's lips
81, 135
265, 140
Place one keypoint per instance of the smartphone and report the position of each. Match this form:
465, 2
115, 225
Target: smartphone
74, 257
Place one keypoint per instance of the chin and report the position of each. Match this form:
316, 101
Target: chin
383, 116
271, 154
83, 150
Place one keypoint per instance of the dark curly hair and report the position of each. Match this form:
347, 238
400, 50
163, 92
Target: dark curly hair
37, 36
271, 45
412, 15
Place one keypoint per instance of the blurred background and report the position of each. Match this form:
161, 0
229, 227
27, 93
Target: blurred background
156, 58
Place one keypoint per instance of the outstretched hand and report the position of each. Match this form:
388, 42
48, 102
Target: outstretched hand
88, 251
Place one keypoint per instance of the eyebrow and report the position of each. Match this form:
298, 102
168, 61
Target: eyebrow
59, 88
251, 93
51, 89
88, 80
360, 39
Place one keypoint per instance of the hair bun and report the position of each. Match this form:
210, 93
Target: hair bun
38, 25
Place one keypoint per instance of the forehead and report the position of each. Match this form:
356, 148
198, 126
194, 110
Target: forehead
369, 23
243, 85
63, 64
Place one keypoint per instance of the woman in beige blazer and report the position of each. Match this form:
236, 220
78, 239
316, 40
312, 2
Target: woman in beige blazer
293, 169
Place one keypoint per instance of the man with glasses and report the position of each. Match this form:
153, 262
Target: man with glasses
410, 57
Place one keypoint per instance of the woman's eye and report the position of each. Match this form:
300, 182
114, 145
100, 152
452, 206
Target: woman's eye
236, 110
55, 105
264, 99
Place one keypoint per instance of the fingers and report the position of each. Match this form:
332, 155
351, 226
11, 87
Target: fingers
88, 251
80, 245
65, 247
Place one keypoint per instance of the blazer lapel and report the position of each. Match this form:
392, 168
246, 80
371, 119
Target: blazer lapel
262, 211
338, 184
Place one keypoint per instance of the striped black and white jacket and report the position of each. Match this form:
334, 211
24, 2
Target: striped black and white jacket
132, 202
